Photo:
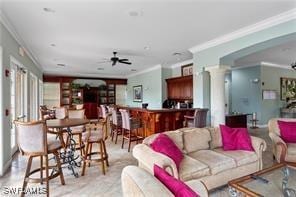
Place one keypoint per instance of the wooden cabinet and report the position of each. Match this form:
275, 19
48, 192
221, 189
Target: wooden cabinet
180, 88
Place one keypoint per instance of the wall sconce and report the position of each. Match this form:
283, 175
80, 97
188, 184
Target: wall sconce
7, 73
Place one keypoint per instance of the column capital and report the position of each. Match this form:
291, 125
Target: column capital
218, 69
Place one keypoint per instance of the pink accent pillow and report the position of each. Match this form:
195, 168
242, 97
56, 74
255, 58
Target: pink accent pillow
288, 131
163, 144
177, 187
236, 138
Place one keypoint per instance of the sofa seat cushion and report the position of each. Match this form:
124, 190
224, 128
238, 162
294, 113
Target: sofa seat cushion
240, 157
192, 169
291, 148
217, 162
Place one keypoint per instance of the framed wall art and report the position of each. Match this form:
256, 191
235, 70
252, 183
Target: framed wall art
288, 88
187, 70
137, 93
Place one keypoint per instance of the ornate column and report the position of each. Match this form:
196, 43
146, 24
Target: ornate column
217, 80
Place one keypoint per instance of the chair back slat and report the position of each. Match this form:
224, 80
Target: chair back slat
31, 137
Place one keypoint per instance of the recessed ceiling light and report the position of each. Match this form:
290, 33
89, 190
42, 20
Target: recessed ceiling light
100, 68
135, 13
146, 48
61, 65
177, 53
49, 10
133, 70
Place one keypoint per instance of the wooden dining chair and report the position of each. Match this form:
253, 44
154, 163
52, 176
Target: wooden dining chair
60, 112
96, 134
77, 130
131, 128
33, 142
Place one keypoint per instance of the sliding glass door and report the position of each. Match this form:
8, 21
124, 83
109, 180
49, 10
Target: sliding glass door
18, 95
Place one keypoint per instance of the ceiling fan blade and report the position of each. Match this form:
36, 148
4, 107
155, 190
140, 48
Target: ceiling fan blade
102, 62
126, 63
123, 60
113, 63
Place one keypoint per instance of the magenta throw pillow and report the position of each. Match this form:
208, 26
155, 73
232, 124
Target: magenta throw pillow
177, 187
288, 131
163, 144
236, 138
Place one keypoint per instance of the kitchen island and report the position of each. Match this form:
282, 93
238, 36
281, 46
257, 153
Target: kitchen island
159, 120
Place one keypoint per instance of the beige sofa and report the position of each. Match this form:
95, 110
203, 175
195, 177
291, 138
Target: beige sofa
137, 182
282, 151
204, 158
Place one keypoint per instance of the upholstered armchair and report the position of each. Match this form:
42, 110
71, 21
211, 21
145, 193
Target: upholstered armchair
198, 120
282, 151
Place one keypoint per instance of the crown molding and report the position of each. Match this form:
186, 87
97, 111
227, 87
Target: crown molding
7, 24
102, 75
268, 64
158, 66
179, 64
267, 23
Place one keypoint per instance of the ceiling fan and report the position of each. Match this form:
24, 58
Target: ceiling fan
116, 60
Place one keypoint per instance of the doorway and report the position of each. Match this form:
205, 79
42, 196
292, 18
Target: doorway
18, 95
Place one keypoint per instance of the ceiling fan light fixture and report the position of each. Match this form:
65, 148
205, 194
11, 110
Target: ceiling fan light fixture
293, 65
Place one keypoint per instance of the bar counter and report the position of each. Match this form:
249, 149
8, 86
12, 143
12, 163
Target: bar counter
159, 120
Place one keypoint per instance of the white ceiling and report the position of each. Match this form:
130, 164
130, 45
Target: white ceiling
86, 32
280, 55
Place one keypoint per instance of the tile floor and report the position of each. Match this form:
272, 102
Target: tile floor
94, 183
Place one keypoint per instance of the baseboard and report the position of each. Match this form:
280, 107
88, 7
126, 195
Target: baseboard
5, 167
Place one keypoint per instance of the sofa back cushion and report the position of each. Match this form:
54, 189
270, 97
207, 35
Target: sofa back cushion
288, 131
177, 187
163, 144
196, 139
216, 138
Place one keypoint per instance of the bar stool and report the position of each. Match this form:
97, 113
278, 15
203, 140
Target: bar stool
78, 130
116, 125
129, 125
33, 142
96, 135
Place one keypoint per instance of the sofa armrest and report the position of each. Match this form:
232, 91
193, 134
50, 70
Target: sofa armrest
137, 182
259, 146
280, 147
147, 158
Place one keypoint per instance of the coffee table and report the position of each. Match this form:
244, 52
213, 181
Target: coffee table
278, 180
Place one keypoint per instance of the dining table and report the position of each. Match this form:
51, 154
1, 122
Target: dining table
61, 126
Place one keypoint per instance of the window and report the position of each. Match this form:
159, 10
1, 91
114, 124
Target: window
51, 94
33, 97
40, 92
